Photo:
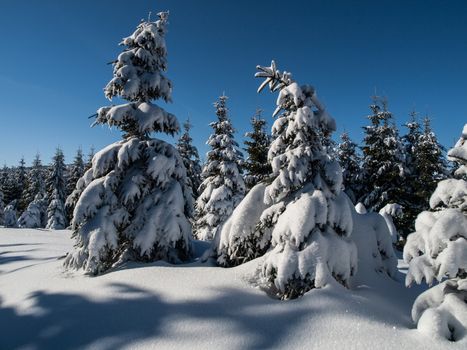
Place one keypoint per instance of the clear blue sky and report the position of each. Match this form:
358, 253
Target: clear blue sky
54, 58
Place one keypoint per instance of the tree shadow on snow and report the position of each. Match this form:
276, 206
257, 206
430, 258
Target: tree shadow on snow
68, 321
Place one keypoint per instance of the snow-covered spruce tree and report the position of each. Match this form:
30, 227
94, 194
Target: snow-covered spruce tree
256, 164
35, 214
2, 208
76, 171
350, 162
303, 215
10, 218
20, 184
410, 201
133, 204
383, 159
190, 156
431, 163
36, 182
8, 184
56, 183
223, 186
438, 250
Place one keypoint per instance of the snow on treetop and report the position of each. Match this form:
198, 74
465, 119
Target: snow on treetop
138, 70
138, 77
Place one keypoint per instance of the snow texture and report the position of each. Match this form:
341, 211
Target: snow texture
389, 212
458, 154
192, 306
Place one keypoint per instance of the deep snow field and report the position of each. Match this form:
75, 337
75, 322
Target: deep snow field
193, 306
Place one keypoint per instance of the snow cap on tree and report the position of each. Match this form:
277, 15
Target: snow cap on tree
133, 203
138, 78
223, 186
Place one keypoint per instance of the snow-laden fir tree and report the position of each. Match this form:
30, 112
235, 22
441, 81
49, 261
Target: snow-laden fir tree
35, 214
438, 250
256, 164
56, 184
383, 159
425, 167
36, 181
10, 216
350, 162
223, 186
133, 204
8, 184
411, 202
190, 156
76, 171
302, 218
430, 161
20, 183
2, 208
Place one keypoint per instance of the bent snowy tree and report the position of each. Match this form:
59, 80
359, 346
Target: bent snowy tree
438, 250
302, 218
133, 204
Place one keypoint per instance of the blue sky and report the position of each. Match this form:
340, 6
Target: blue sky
54, 59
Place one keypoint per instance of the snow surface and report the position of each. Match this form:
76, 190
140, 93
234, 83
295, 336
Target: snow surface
192, 306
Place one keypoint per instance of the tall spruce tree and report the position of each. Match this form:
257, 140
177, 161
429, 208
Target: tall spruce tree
190, 156
133, 203
302, 220
383, 159
76, 171
8, 184
430, 162
21, 183
425, 167
350, 162
256, 164
223, 186
36, 181
56, 183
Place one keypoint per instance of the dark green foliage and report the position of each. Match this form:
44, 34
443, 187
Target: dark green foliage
257, 165
350, 162
190, 156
